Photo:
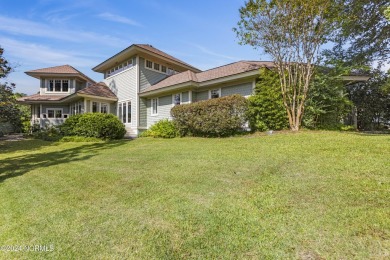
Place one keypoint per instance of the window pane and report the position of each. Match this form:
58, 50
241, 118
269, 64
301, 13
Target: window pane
65, 85
58, 114
51, 85
50, 113
94, 107
129, 112
176, 99
154, 106
57, 86
149, 64
215, 93
103, 108
157, 66
164, 69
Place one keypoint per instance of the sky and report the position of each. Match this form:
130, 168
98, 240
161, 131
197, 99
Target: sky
84, 33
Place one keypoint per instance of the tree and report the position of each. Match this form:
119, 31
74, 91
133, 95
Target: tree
266, 110
327, 103
291, 32
10, 111
372, 101
362, 34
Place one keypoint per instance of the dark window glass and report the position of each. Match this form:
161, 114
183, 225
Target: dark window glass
65, 85
57, 86
129, 112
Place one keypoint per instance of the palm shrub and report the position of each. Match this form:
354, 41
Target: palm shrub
217, 117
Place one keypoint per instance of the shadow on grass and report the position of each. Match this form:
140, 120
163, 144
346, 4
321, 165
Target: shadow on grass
19, 165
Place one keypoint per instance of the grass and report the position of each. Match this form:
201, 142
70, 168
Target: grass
310, 195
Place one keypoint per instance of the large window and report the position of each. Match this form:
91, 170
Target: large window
94, 107
124, 111
154, 106
54, 113
57, 85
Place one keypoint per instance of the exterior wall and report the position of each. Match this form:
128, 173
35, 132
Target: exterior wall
53, 121
244, 89
203, 95
163, 110
124, 86
148, 77
143, 112
185, 97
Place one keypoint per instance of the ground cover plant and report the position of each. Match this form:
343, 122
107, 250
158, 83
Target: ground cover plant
306, 195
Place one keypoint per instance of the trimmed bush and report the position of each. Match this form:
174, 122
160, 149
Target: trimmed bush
217, 117
163, 129
98, 125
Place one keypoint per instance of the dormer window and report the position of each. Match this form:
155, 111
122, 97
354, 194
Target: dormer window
58, 85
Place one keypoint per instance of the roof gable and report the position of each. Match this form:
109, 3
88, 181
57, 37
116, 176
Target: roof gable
63, 70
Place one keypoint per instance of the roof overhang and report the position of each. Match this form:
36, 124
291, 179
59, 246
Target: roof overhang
39, 75
191, 85
134, 50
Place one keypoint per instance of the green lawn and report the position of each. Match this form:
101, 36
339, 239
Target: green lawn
310, 195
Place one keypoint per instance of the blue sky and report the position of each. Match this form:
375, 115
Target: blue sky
83, 33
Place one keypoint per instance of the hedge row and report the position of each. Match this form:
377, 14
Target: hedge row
98, 125
214, 117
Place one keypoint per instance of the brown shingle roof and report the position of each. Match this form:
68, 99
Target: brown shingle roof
63, 69
38, 97
99, 89
215, 73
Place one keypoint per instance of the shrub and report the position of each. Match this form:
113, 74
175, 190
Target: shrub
163, 129
49, 133
266, 110
98, 125
214, 117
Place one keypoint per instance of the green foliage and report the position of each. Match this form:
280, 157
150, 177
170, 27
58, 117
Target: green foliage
98, 125
327, 103
49, 133
362, 33
372, 102
214, 117
266, 110
162, 129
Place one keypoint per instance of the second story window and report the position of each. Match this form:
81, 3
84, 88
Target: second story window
149, 64
58, 85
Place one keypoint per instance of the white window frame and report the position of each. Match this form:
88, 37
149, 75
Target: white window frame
119, 68
120, 107
168, 71
152, 106
54, 109
217, 89
108, 107
173, 99
47, 83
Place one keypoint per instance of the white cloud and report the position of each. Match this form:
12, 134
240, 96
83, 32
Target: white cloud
212, 53
30, 28
118, 19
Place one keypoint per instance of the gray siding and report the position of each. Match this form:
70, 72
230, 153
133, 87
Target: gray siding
244, 89
143, 110
185, 97
88, 108
124, 85
163, 110
204, 95
148, 77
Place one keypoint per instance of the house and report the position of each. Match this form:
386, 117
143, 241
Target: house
141, 84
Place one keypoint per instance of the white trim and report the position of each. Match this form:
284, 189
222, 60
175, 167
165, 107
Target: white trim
54, 109
151, 107
253, 86
85, 106
160, 67
219, 92
123, 71
138, 85
190, 96
120, 106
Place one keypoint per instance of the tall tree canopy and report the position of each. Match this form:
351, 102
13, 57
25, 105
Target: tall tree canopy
291, 32
362, 34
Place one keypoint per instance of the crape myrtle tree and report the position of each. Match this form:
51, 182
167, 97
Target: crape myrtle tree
291, 32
